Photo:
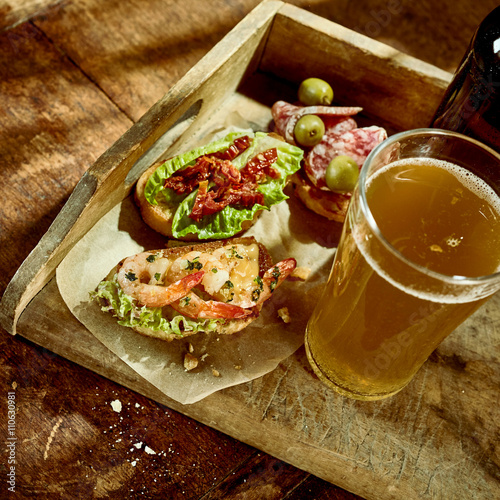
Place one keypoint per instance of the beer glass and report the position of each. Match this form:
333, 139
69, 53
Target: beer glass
418, 254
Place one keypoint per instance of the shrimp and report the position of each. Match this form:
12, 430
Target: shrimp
195, 307
141, 276
265, 286
216, 272
229, 276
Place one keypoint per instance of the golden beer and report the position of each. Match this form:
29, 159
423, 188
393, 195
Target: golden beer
405, 275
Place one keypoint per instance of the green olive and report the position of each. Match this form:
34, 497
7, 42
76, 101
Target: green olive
315, 92
342, 174
309, 130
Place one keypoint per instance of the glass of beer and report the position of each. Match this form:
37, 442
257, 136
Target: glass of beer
418, 254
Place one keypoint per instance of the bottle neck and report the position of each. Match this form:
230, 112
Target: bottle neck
485, 46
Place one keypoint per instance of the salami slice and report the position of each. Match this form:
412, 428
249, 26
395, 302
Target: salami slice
357, 143
286, 115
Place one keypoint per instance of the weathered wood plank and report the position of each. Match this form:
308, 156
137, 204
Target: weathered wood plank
54, 124
81, 436
135, 49
14, 12
434, 33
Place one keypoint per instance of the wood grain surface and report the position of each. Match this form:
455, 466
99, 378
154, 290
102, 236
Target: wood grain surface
74, 76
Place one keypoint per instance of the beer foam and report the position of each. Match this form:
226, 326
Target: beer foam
471, 182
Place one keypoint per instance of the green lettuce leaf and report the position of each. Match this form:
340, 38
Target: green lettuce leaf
113, 300
228, 221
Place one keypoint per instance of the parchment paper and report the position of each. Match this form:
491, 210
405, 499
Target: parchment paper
288, 230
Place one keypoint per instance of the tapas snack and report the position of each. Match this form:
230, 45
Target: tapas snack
332, 144
175, 292
218, 190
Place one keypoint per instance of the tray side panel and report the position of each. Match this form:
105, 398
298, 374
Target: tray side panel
390, 85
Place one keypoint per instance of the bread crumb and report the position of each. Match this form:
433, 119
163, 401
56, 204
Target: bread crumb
190, 362
215, 372
116, 405
284, 314
301, 273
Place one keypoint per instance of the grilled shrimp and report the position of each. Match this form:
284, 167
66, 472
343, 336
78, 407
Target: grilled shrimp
230, 275
216, 272
265, 286
194, 306
142, 276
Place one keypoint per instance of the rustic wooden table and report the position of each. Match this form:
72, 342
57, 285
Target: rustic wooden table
74, 76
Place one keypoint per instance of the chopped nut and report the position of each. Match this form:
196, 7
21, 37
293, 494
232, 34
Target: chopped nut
284, 314
191, 348
301, 273
190, 362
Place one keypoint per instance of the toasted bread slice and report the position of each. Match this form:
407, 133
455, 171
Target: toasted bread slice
159, 217
328, 204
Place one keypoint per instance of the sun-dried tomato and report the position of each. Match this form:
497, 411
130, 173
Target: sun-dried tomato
239, 145
220, 183
260, 166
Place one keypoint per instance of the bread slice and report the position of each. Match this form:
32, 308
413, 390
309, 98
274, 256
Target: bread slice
159, 217
328, 204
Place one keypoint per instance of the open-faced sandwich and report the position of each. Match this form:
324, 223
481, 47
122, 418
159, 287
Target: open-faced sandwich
218, 190
335, 148
171, 293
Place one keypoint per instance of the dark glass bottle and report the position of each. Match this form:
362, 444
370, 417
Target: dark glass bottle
471, 104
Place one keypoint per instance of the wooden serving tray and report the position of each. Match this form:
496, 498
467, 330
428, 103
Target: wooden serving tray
436, 439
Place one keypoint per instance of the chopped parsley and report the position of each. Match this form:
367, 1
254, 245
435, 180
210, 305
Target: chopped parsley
131, 276
194, 264
234, 253
229, 284
256, 293
275, 274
